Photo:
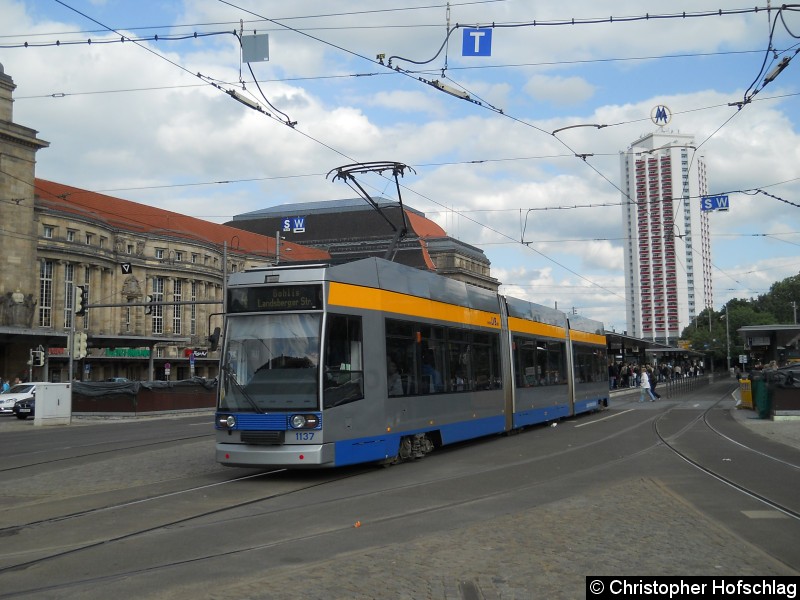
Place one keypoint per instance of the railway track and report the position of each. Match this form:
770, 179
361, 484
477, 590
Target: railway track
265, 517
739, 480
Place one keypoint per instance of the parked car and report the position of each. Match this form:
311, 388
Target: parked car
7, 403
25, 408
22, 397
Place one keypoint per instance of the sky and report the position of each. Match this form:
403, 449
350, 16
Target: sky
155, 121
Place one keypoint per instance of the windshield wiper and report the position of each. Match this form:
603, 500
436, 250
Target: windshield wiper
232, 377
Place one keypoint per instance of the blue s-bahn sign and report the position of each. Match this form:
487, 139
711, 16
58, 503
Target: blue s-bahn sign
294, 224
714, 203
477, 42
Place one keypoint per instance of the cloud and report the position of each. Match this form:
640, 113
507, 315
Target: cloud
544, 207
406, 102
566, 91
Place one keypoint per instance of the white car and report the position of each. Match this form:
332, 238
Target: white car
21, 391
6, 404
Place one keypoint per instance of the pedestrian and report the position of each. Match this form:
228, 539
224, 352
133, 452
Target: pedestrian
6, 386
612, 376
653, 383
644, 386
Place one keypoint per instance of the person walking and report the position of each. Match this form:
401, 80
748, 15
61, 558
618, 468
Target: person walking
653, 383
644, 386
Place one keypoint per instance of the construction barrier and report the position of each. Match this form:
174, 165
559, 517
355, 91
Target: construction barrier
746, 394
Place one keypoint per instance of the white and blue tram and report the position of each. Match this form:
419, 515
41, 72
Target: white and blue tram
371, 361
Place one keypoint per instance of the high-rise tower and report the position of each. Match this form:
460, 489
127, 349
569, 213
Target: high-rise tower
668, 248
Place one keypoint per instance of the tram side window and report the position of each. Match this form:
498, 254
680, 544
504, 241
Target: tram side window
588, 364
556, 364
460, 360
539, 362
528, 371
486, 353
435, 359
432, 355
401, 350
344, 371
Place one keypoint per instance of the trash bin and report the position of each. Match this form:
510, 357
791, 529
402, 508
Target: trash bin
761, 398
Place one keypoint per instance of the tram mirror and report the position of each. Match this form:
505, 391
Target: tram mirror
213, 339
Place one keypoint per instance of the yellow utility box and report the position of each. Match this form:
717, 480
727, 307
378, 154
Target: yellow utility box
746, 394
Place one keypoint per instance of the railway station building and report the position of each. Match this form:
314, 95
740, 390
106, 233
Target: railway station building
351, 229
126, 257
130, 259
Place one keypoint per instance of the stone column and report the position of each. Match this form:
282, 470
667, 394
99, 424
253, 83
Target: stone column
18, 246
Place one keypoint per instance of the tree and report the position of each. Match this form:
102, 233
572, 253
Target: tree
780, 298
707, 332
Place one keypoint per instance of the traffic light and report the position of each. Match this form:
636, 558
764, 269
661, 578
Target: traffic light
79, 345
38, 358
80, 300
149, 308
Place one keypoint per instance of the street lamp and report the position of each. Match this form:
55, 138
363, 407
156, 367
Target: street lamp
727, 337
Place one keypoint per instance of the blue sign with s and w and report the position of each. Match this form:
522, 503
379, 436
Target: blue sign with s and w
294, 224
714, 203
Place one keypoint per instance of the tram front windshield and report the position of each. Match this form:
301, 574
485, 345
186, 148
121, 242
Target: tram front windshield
271, 363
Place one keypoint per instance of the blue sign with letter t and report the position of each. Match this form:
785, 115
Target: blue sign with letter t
477, 42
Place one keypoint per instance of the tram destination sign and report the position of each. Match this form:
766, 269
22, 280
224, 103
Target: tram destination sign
275, 298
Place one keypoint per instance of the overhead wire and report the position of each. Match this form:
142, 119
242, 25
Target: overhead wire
401, 185
209, 81
584, 21
123, 39
583, 156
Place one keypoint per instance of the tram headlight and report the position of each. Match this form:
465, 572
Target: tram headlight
226, 421
304, 421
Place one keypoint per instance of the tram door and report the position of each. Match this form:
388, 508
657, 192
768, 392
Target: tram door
507, 366
570, 371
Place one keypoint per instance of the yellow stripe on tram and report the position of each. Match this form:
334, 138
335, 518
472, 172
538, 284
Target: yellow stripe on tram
353, 296
517, 325
589, 338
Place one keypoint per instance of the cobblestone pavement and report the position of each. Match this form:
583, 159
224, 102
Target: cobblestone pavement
635, 527
544, 552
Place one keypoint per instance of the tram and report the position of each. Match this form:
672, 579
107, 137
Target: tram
376, 362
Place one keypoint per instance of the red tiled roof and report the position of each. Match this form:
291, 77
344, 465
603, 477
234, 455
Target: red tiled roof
141, 218
424, 227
